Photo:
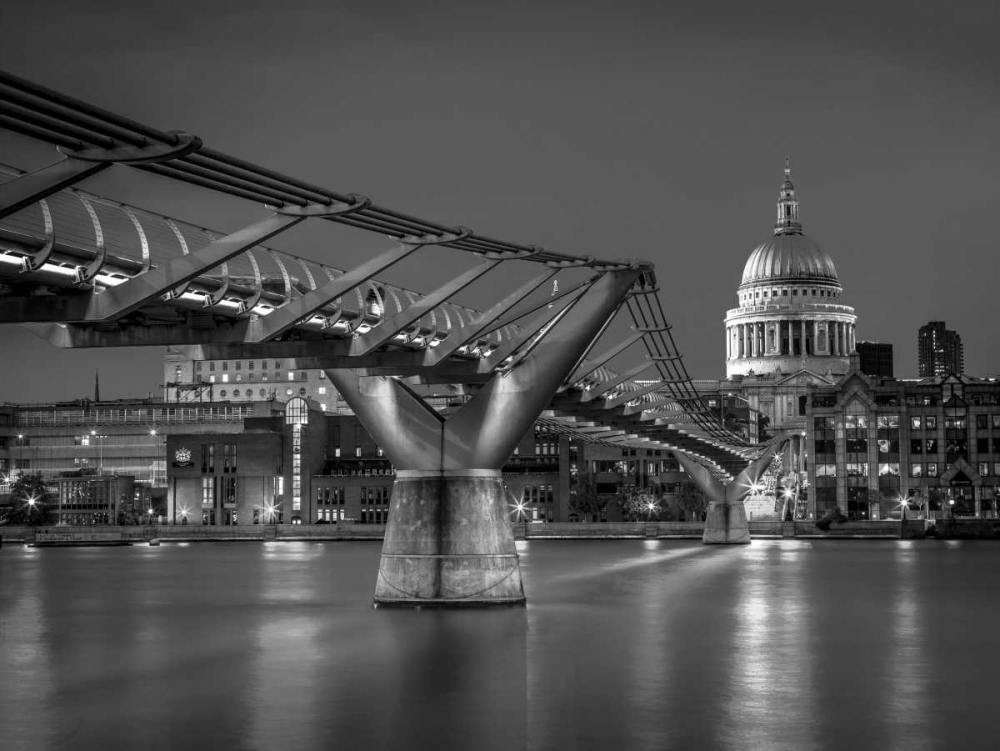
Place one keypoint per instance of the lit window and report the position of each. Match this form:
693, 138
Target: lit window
288, 392
225, 377
291, 375
211, 379
239, 376
322, 406
321, 390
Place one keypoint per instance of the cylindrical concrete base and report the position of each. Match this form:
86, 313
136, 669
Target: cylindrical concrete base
726, 524
448, 542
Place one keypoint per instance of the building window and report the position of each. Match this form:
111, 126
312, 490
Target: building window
207, 491
223, 393
321, 390
229, 491
229, 458
250, 365
291, 375
208, 457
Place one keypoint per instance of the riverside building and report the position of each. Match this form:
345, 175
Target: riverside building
933, 443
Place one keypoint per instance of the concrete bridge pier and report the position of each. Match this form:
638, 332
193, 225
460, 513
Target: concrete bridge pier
726, 519
448, 540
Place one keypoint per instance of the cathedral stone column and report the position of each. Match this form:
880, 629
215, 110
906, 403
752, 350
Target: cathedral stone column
802, 333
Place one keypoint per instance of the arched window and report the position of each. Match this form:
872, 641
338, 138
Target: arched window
222, 393
296, 412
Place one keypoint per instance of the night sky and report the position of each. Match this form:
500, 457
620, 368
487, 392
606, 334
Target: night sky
654, 130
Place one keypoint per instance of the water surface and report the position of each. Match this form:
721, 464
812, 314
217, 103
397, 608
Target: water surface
623, 645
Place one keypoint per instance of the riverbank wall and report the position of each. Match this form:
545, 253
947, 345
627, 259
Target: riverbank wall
979, 529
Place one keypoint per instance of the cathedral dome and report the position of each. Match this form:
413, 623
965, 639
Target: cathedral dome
789, 257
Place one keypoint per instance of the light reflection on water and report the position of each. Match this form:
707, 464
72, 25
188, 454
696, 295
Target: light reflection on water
624, 644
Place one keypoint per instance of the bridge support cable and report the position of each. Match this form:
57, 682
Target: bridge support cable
388, 329
277, 322
449, 541
602, 388
478, 327
726, 520
590, 364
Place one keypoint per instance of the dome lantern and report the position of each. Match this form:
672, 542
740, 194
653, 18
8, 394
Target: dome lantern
788, 207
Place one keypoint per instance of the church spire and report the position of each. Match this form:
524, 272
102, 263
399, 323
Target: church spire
788, 207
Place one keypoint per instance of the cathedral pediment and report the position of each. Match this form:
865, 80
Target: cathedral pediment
805, 378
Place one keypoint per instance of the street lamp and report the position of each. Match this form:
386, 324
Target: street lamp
521, 508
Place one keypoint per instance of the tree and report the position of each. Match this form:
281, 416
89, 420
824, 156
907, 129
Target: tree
28, 498
691, 501
584, 500
639, 504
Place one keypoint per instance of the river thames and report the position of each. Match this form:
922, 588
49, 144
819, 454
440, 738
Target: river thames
795, 645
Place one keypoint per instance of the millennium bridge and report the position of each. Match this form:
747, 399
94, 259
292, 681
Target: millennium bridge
85, 270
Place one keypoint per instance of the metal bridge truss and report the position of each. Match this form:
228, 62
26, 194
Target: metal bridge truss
85, 271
